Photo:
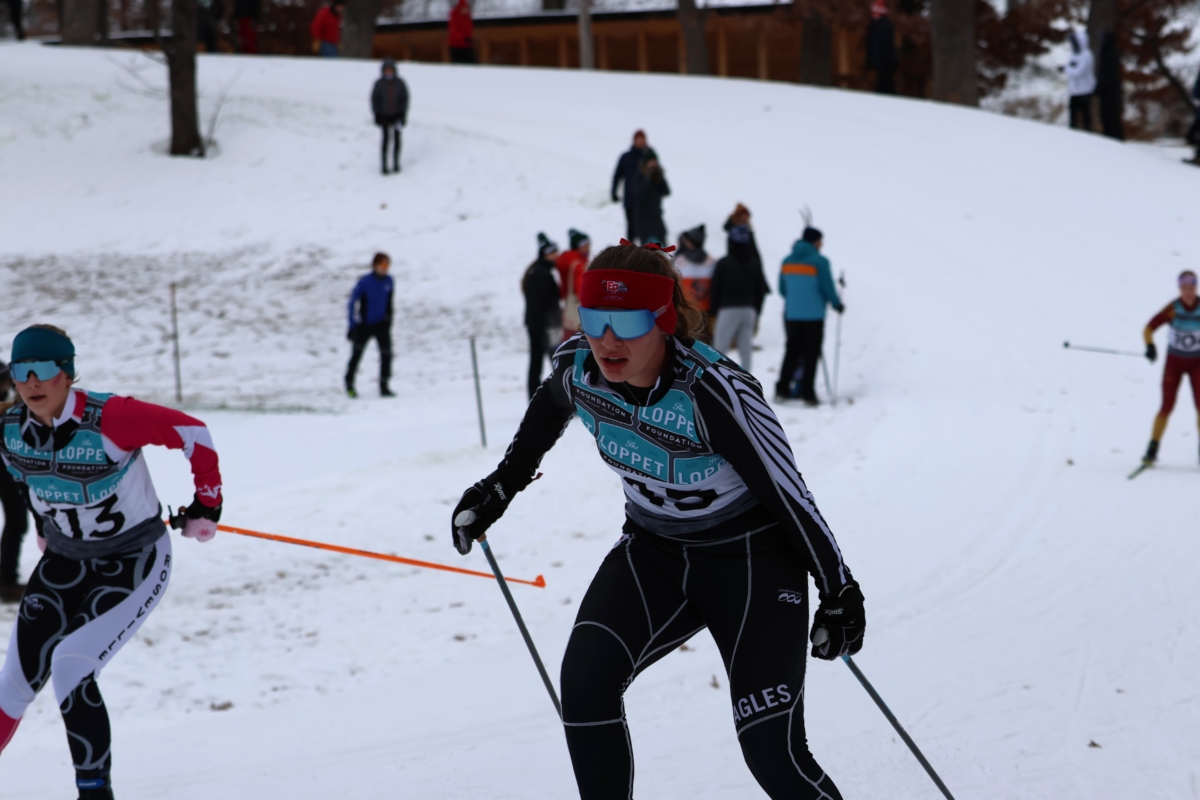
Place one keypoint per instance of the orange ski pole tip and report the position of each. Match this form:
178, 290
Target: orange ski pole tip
539, 582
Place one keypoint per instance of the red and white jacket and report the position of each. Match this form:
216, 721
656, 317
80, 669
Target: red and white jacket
86, 475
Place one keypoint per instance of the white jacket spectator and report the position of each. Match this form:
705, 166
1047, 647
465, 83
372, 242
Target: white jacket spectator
1081, 69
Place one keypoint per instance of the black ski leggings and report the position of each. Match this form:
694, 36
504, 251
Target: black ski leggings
540, 348
391, 130
650, 596
380, 332
73, 620
16, 524
804, 340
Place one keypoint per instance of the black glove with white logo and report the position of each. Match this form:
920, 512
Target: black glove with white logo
839, 623
480, 506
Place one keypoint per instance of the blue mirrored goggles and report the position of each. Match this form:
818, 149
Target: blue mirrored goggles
627, 324
44, 370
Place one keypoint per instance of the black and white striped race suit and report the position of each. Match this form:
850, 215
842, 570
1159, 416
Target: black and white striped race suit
721, 532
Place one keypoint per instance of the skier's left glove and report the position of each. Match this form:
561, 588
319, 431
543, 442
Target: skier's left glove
840, 308
479, 508
843, 620
1151, 352
197, 520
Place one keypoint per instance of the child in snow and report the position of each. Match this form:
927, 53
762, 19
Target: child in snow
738, 289
389, 104
720, 530
1183, 355
107, 553
543, 314
571, 266
371, 318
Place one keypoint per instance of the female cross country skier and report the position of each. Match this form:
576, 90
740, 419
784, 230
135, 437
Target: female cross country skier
107, 553
720, 529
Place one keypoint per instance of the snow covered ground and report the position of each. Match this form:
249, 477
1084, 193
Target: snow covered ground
1024, 598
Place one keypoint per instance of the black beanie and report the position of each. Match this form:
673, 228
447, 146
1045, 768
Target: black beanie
577, 238
545, 246
696, 236
812, 235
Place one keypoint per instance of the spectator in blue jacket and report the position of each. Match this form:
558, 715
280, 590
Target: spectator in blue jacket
370, 313
806, 283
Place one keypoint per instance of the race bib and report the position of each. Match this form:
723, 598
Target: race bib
1185, 341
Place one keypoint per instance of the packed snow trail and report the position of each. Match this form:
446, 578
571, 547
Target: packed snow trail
1023, 597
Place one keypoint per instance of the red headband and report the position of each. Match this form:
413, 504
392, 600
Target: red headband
622, 288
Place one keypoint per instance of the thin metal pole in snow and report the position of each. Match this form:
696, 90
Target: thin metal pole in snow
887, 712
837, 350
512, 605
478, 394
175, 339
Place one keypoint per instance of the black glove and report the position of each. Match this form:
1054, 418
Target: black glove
840, 308
196, 510
1151, 352
843, 620
615, 199
480, 506
352, 334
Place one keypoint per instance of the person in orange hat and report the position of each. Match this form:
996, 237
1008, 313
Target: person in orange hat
881, 48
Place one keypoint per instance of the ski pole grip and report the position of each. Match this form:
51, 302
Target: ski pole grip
464, 518
820, 637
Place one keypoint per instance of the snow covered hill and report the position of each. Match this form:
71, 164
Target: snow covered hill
1024, 598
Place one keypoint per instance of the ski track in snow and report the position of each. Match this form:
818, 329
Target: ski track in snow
1019, 607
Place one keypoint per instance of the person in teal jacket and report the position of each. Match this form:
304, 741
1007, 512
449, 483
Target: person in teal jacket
806, 283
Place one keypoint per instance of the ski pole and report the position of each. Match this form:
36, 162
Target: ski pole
512, 605
837, 349
828, 386
539, 581
1104, 350
887, 712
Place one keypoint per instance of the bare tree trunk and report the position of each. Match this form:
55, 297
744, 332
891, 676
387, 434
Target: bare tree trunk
358, 27
695, 44
816, 49
587, 56
952, 29
1101, 17
102, 21
79, 22
181, 69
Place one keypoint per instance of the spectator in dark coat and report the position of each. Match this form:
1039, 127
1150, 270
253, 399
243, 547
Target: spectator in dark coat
370, 314
543, 314
738, 290
1194, 133
627, 171
247, 14
460, 34
14, 16
649, 188
389, 104
881, 48
208, 15
1110, 88
16, 517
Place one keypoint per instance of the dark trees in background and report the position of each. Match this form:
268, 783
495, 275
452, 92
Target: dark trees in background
358, 27
816, 46
695, 43
1151, 33
80, 20
952, 29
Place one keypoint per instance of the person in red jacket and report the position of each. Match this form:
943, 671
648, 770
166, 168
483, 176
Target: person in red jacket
327, 29
461, 33
571, 266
